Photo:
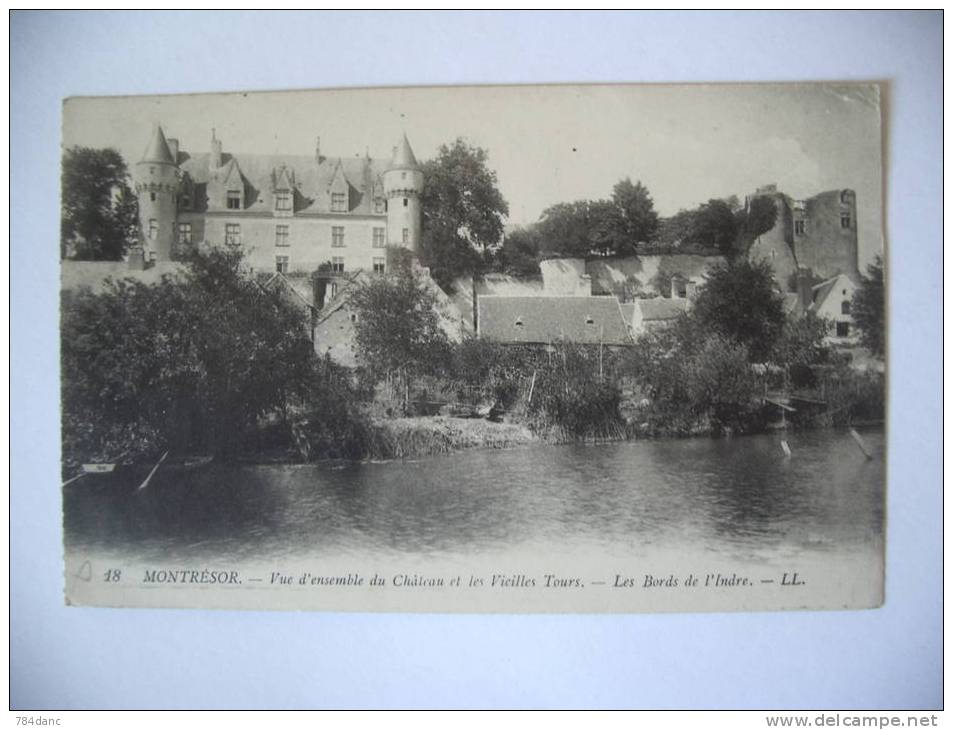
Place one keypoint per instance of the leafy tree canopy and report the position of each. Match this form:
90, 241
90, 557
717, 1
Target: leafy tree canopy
189, 363
99, 210
738, 300
606, 227
463, 211
722, 226
867, 308
397, 325
519, 254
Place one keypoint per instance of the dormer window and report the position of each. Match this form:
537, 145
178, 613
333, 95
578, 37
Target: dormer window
518, 322
590, 320
380, 205
799, 228
338, 202
283, 200
845, 196
185, 202
233, 200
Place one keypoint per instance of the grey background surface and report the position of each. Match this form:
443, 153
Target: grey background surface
100, 658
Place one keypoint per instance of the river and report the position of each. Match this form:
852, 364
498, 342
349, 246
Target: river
595, 512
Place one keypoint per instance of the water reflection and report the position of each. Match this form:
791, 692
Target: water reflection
738, 497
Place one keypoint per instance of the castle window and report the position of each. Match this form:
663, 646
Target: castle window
233, 200
338, 203
405, 202
337, 264
405, 235
281, 264
842, 329
845, 196
281, 235
378, 265
185, 233
845, 307
283, 200
378, 239
153, 228
845, 220
185, 202
152, 197
233, 234
799, 228
337, 236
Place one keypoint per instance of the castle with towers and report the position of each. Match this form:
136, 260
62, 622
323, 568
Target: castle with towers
286, 213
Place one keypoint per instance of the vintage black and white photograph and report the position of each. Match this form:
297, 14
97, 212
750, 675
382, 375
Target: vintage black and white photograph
607, 348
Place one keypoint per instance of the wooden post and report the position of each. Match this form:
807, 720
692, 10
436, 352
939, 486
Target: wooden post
860, 443
152, 473
532, 385
785, 448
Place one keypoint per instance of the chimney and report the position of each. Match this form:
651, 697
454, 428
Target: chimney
215, 160
317, 149
173, 148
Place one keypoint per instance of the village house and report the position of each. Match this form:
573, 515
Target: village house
832, 300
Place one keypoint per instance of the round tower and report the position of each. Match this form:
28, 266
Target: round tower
157, 184
403, 184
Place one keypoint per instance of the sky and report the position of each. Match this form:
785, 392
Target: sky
548, 144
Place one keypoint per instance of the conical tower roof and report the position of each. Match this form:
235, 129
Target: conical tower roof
158, 149
403, 157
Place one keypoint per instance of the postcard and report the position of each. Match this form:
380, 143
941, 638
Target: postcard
604, 348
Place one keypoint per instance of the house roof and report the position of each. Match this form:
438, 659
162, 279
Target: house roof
344, 293
660, 308
312, 177
158, 149
279, 279
823, 290
545, 319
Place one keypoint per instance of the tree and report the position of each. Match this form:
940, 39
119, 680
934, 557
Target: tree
714, 226
99, 210
519, 254
463, 211
397, 325
190, 363
867, 308
637, 217
565, 229
738, 300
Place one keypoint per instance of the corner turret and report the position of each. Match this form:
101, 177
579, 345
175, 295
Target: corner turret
403, 185
157, 186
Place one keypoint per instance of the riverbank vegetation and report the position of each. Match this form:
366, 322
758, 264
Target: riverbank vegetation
212, 362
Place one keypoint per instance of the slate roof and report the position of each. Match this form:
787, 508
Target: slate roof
660, 308
313, 180
545, 319
158, 149
404, 157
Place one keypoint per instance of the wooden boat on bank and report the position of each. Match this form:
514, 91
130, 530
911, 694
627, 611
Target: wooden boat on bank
135, 476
